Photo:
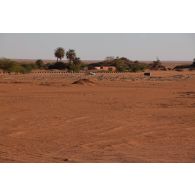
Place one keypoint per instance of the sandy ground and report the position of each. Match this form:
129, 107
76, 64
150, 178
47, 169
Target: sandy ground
119, 118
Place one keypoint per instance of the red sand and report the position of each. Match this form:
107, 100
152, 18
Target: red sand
120, 118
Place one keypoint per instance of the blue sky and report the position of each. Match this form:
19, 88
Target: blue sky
96, 46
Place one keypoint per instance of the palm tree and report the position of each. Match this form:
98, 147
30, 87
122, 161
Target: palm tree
71, 55
59, 53
75, 65
77, 61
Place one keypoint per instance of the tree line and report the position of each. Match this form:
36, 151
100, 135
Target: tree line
75, 64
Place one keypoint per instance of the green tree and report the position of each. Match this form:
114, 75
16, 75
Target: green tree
121, 65
77, 61
59, 53
71, 55
39, 63
75, 66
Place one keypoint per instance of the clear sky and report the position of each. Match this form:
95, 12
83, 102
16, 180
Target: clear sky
91, 46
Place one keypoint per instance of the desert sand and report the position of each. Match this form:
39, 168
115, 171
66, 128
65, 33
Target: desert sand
112, 118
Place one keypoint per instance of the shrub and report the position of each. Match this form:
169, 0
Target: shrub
83, 66
122, 65
58, 65
136, 67
157, 65
75, 65
6, 64
13, 66
74, 68
39, 63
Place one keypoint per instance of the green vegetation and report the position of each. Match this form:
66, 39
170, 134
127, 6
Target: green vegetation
190, 67
39, 63
59, 66
75, 64
121, 64
59, 53
71, 55
74, 61
157, 65
12, 66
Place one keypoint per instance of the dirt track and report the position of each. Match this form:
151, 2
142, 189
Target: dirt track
120, 118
